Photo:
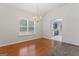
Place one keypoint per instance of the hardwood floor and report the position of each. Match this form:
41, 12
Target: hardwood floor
37, 47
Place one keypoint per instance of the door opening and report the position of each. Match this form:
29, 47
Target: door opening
56, 29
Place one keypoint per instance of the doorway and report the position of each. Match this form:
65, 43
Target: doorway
56, 29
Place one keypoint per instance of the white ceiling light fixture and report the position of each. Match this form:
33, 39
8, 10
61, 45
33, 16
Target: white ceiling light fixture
37, 18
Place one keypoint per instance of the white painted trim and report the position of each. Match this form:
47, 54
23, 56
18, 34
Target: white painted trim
6, 44
63, 41
71, 43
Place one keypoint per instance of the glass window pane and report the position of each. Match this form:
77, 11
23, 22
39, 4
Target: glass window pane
26, 27
31, 29
31, 24
23, 29
23, 23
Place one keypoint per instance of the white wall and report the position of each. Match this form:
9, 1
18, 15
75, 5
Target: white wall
9, 19
9, 22
70, 15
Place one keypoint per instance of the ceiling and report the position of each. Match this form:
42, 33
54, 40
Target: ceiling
36, 8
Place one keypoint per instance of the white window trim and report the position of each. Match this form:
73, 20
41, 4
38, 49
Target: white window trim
26, 33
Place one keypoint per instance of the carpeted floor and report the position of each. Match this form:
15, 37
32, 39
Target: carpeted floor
65, 50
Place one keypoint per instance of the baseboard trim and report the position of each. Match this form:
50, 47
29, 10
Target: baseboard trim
67, 43
71, 44
11, 43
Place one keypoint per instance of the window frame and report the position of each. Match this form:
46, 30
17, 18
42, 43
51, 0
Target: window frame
28, 32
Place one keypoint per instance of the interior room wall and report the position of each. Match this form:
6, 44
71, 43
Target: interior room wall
9, 22
70, 15
9, 25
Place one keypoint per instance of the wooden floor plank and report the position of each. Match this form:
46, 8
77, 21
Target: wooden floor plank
40, 46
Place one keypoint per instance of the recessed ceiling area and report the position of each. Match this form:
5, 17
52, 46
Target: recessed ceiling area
36, 8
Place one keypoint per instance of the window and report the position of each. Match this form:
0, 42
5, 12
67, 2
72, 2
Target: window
27, 27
